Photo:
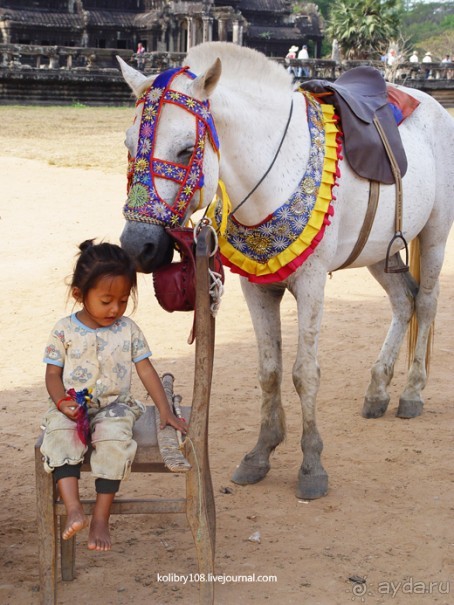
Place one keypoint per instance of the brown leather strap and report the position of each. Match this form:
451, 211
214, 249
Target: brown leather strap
396, 173
398, 235
374, 194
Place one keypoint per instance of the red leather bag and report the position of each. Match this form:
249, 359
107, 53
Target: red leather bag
174, 284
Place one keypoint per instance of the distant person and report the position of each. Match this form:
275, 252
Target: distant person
288, 57
427, 59
414, 70
335, 51
447, 73
303, 55
392, 57
139, 56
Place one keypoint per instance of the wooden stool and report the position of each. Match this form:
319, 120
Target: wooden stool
198, 503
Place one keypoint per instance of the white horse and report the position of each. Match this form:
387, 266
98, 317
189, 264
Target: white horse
258, 135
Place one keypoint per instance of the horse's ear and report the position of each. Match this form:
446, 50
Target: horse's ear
203, 86
133, 78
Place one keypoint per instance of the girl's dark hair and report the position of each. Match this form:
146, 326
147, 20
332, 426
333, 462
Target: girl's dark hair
98, 260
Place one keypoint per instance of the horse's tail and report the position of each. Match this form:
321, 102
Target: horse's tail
415, 271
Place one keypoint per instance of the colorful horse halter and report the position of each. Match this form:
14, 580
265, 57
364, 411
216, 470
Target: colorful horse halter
144, 203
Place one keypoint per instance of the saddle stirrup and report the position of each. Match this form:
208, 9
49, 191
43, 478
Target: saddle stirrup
398, 235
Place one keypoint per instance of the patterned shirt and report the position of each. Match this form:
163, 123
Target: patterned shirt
100, 359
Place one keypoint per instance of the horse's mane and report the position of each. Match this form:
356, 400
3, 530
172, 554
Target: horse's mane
240, 65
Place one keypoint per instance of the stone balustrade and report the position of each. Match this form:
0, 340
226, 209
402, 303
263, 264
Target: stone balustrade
28, 72
26, 56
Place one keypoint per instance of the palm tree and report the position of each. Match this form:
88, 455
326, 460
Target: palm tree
363, 27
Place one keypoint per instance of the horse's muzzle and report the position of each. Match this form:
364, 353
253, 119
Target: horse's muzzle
149, 245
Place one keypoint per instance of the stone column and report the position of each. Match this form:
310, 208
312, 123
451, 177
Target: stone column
5, 29
171, 48
222, 30
162, 44
240, 34
207, 35
236, 32
191, 37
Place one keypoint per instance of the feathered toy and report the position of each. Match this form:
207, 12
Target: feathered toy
82, 398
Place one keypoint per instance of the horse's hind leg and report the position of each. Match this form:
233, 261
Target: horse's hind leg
264, 307
432, 245
401, 290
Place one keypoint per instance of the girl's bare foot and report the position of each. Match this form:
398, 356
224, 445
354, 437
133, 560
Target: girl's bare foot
99, 535
75, 521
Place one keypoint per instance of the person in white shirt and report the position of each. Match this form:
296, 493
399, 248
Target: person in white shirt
303, 54
427, 59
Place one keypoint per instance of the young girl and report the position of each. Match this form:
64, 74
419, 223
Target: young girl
89, 360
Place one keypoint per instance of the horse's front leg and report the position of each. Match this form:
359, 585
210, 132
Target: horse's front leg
264, 306
309, 293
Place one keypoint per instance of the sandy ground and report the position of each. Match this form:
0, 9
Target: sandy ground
388, 514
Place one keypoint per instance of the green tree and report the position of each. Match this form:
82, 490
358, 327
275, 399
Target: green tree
430, 26
364, 27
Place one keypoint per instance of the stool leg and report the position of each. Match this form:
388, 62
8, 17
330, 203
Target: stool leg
47, 532
67, 554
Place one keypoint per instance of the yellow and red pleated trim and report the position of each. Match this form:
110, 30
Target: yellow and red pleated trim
244, 248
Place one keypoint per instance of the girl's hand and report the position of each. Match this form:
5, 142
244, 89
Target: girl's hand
153, 384
169, 418
69, 408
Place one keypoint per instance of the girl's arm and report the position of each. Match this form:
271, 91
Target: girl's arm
153, 384
56, 390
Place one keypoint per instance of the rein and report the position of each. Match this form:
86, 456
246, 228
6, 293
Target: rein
272, 162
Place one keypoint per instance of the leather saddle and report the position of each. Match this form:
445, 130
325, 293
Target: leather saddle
359, 95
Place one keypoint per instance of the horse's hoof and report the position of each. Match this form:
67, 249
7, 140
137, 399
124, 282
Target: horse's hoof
374, 408
247, 473
311, 487
409, 408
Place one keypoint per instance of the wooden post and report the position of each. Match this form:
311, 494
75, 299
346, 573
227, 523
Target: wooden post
200, 507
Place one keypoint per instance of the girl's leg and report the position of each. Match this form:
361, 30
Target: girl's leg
112, 456
99, 534
67, 478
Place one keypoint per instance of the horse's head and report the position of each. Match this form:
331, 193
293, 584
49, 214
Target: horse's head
173, 158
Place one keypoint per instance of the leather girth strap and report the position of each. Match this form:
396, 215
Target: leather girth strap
374, 194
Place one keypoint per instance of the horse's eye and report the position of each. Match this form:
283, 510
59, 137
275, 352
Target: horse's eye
185, 155
129, 140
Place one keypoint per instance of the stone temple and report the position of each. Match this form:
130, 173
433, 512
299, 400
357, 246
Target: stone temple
171, 26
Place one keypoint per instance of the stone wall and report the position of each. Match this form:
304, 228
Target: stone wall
54, 87
36, 75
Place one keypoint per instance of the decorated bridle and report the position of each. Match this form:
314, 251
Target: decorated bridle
144, 204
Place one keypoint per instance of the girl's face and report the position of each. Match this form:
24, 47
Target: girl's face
105, 302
